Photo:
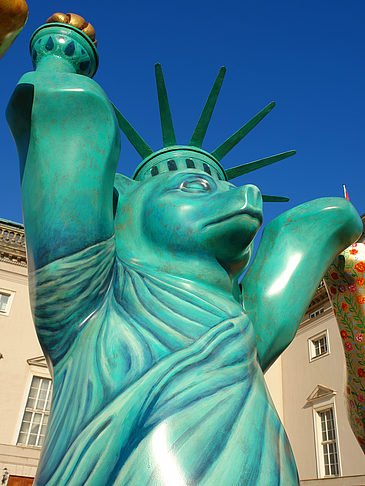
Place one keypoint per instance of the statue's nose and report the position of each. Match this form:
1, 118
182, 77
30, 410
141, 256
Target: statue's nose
250, 200
251, 195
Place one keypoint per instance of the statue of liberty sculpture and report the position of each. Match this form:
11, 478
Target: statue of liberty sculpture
157, 352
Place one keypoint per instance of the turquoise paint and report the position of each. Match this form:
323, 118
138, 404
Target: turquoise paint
157, 365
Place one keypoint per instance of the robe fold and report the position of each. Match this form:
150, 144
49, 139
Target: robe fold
153, 384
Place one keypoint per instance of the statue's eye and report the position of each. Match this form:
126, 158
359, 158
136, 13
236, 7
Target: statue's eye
195, 185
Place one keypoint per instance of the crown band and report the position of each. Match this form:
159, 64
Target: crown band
179, 158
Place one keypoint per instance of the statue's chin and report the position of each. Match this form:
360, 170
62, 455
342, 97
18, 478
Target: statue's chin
236, 265
232, 236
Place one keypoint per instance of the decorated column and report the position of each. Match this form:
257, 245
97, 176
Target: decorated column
345, 282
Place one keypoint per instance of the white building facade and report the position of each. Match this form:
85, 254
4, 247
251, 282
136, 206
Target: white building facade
23, 370
308, 386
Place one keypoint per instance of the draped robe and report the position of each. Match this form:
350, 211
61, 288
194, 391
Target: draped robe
156, 386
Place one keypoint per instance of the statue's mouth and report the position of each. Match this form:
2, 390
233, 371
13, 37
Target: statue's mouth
250, 212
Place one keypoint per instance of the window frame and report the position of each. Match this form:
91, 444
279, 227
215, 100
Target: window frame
317, 409
44, 413
10, 294
316, 313
311, 345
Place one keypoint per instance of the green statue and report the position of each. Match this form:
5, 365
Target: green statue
157, 350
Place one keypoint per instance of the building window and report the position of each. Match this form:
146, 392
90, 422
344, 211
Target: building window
318, 346
322, 400
316, 313
35, 419
329, 461
6, 298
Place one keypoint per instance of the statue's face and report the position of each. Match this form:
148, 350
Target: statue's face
190, 212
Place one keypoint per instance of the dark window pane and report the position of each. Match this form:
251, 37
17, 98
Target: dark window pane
171, 164
35, 382
154, 171
30, 403
190, 163
48, 404
4, 298
207, 169
25, 427
22, 438
32, 439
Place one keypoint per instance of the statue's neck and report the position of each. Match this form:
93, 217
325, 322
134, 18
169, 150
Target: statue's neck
200, 275
187, 287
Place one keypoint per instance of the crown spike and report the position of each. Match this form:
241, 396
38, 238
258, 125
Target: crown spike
133, 136
274, 198
257, 164
228, 145
168, 132
202, 125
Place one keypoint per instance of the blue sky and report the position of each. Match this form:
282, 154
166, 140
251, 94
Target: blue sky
306, 56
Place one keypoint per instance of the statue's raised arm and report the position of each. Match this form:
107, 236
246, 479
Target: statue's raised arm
295, 251
68, 143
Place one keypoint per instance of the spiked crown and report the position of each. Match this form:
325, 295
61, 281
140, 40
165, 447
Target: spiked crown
174, 157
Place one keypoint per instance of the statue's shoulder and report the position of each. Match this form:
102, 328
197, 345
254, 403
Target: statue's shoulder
67, 291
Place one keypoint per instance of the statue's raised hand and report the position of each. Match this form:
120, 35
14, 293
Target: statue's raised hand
76, 21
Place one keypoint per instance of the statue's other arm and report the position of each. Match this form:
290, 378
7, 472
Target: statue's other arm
295, 252
68, 144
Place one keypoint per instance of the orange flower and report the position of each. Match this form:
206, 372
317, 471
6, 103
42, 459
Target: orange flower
360, 267
344, 306
353, 251
360, 299
360, 281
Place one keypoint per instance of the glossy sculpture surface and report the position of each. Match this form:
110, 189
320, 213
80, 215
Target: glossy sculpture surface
157, 365
346, 288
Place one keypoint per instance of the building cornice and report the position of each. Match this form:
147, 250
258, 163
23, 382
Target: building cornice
320, 298
12, 243
308, 324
